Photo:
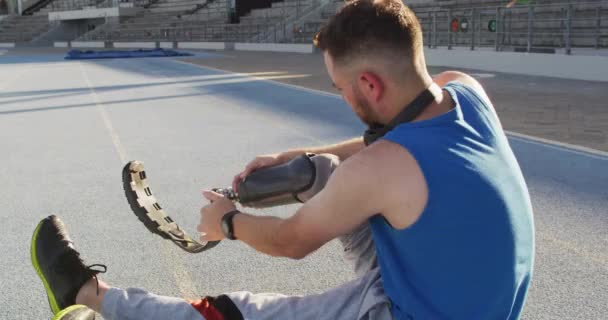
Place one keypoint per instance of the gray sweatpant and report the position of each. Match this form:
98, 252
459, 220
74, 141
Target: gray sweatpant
362, 298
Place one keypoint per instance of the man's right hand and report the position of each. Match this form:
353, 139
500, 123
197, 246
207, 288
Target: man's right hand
263, 161
343, 150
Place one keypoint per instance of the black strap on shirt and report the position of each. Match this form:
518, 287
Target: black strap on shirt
409, 113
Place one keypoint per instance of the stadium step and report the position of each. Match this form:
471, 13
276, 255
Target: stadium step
23, 28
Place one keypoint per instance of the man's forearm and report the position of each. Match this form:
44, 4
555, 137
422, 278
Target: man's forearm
263, 233
343, 149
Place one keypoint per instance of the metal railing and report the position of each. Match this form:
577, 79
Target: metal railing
262, 24
211, 10
529, 28
210, 32
71, 5
280, 10
303, 29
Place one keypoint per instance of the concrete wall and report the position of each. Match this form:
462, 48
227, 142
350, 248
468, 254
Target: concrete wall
135, 45
88, 44
274, 47
61, 44
12, 7
202, 45
93, 13
579, 67
66, 30
165, 45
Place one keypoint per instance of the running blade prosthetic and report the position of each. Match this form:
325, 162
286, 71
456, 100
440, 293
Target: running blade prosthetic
146, 208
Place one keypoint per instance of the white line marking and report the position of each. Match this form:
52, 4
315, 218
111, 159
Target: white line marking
277, 123
476, 75
324, 93
106, 119
566, 147
562, 146
483, 75
182, 277
183, 280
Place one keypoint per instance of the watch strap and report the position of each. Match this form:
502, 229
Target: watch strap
227, 220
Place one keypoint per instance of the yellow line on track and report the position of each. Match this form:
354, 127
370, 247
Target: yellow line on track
182, 277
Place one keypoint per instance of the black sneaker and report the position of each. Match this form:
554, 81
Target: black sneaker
58, 264
75, 312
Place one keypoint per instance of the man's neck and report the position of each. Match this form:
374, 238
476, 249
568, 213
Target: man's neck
442, 104
405, 100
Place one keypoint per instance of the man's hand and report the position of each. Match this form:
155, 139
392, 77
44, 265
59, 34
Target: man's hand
343, 150
210, 224
263, 161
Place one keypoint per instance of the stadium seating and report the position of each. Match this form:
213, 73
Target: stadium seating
298, 21
548, 27
304, 32
69, 5
209, 23
158, 22
22, 28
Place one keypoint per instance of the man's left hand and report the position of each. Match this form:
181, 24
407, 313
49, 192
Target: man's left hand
211, 216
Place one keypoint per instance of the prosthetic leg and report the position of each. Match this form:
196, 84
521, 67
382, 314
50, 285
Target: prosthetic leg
295, 181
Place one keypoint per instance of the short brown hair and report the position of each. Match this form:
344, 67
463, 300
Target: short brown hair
364, 27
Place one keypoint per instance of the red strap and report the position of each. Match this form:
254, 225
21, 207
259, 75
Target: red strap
206, 309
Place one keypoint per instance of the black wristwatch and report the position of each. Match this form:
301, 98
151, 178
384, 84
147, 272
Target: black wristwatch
227, 226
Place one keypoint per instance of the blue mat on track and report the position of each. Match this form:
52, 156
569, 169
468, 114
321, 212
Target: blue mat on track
140, 53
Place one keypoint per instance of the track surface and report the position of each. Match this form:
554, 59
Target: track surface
67, 128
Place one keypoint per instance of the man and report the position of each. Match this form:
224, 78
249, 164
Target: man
442, 196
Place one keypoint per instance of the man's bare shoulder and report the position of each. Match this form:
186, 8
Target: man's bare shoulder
393, 178
382, 156
456, 76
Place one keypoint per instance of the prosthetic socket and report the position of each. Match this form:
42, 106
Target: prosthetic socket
295, 181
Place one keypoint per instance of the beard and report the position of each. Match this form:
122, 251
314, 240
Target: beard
363, 109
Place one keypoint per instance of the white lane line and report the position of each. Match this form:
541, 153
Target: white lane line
262, 79
268, 79
292, 86
476, 75
122, 153
182, 278
562, 146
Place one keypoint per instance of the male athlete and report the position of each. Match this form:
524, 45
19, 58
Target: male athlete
432, 207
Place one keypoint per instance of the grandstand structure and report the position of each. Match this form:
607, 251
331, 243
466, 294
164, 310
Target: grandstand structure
541, 25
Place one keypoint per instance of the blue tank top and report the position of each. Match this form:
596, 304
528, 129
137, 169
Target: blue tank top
470, 254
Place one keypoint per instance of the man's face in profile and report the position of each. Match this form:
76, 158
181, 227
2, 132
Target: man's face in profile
347, 85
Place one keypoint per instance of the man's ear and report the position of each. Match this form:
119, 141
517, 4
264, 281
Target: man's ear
371, 85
